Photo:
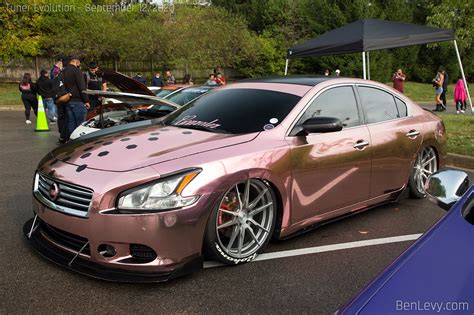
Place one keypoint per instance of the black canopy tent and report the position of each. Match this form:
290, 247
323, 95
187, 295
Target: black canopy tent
367, 35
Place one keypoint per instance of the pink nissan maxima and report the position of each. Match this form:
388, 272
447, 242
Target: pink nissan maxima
221, 176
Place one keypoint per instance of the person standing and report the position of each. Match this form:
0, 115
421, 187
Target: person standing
398, 79
337, 72
157, 80
211, 80
60, 107
45, 88
58, 66
445, 87
78, 104
94, 82
326, 72
438, 85
28, 96
140, 78
220, 80
170, 79
188, 79
460, 96
219, 76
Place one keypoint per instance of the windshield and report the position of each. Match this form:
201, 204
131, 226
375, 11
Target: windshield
235, 111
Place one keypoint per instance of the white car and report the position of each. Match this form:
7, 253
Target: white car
130, 108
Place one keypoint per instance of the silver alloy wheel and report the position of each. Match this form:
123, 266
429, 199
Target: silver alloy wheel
426, 164
245, 218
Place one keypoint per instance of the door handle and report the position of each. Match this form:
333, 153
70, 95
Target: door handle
361, 144
413, 133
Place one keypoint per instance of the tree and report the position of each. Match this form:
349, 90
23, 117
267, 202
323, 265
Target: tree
19, 35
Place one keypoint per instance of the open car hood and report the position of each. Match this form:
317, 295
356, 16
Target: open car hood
133, 99
125, 83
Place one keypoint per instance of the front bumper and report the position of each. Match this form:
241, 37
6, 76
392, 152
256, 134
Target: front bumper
75, 263
174, 237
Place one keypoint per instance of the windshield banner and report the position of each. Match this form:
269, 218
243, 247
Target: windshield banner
190, 121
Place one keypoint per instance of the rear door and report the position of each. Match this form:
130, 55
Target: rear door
395, 139
330, 171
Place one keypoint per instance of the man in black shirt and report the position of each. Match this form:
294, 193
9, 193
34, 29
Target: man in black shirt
140, 78
44, 88
94, 82
76, 85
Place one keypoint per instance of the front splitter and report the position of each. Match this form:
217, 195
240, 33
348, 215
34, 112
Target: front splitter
63, 258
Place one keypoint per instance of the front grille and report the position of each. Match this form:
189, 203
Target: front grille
66, 239
71, 199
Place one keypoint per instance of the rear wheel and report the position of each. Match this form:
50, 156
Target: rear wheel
242, 222
426, 163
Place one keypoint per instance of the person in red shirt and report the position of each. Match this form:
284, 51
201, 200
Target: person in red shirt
398, 78
220, 80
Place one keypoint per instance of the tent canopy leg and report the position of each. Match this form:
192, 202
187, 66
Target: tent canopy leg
368, 65
363, 65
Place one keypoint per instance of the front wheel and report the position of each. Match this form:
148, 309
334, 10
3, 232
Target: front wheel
242, 222
426, 163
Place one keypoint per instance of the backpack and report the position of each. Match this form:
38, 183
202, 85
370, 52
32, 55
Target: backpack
60, 92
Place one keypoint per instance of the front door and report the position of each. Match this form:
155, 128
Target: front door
330, 171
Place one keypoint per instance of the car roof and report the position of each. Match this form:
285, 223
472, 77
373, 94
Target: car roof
297, 80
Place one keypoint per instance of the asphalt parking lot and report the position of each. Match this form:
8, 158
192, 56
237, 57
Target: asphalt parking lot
317, 282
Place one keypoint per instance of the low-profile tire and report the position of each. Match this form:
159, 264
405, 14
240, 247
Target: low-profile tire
426, 163
241, 223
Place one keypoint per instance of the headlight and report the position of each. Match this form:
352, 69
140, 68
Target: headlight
162, 195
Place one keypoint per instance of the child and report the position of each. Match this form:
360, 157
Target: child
460, 96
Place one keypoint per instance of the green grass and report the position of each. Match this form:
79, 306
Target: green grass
460, 133
9, 94
423, 92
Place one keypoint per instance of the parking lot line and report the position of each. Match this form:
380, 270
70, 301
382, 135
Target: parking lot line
325, 248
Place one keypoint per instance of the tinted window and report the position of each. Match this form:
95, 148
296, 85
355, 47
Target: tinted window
379, 105
337, 102
402, 108
235, 111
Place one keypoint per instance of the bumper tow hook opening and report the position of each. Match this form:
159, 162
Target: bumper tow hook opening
106, 250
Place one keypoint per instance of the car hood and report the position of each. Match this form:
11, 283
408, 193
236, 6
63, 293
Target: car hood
124, 149
125, 83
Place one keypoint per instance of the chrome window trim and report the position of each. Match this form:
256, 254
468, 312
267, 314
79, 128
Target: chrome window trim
51, 205
360, 106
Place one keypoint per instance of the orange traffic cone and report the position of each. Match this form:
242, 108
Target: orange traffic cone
41, 121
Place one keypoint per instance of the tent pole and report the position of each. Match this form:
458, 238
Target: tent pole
363, 65
286, 67
368, 65
463, 76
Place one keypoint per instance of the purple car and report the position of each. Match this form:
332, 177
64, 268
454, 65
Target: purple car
436, 274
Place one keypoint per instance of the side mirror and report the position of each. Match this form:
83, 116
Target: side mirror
444, 188
321, 125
